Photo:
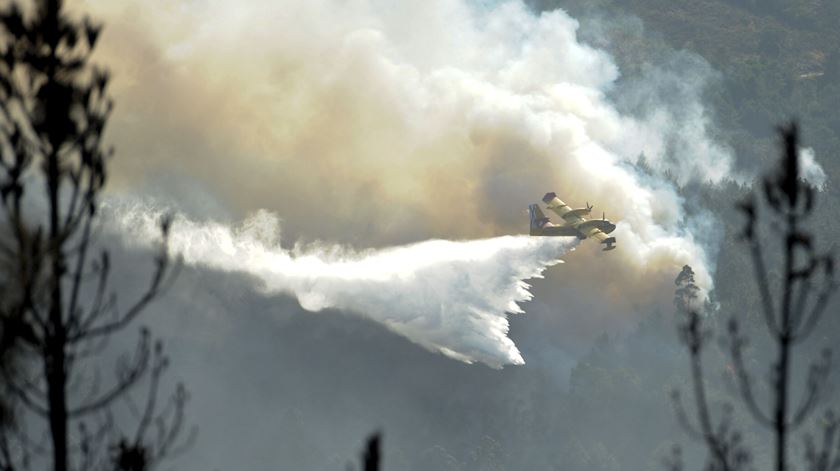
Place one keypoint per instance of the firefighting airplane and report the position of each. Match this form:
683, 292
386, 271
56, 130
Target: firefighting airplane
574, 223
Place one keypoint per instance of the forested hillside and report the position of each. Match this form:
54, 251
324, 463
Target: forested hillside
776, 60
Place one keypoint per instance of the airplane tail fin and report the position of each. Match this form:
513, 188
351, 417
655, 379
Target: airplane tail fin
538, 219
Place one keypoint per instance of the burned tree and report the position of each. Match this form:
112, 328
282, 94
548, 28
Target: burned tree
57, 306
724, 443
791, 312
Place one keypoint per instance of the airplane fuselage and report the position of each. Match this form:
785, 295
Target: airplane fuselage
574, 222
571, 230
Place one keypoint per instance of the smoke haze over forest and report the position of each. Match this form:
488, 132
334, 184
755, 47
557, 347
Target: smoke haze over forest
370, 125
350, 181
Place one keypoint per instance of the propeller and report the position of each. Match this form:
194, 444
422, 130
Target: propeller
604, 216
589, 207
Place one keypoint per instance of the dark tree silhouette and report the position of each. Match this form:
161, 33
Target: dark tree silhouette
726, 450
370, 459
57, 307
791, 314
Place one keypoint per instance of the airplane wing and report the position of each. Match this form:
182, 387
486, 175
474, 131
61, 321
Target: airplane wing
597, 228
595, 234
601, 225
560, 208
592, 231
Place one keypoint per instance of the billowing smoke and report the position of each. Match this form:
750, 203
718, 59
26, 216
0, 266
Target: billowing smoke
812, 172
451, 297
370, 123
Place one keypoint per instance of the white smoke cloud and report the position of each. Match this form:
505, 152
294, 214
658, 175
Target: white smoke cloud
451, 297
393, 121
811, 171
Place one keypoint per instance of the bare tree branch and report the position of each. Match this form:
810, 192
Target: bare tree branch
736, 345
128, 373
